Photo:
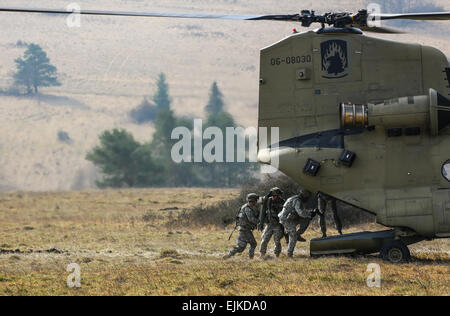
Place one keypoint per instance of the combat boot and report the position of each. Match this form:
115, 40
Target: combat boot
290, 255
340, 232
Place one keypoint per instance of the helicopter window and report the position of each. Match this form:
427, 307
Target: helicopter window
327, 139
309, 141
446, 170
335, 141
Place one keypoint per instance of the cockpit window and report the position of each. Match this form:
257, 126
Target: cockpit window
446, 170
325, 139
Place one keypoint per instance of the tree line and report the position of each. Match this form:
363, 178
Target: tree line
125, 162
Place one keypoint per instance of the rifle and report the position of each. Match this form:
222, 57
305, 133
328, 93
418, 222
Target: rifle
262, 213
236, 225
231, 235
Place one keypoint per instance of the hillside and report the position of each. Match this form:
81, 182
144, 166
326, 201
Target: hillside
109, 64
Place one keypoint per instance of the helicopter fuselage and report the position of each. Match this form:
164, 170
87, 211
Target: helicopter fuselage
364, 120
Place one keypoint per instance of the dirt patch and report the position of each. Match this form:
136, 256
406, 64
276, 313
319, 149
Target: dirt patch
30, 251
169, 253
169, 209
12, 251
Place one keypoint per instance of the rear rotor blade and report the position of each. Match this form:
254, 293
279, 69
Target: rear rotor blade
294, 17
432, 16
381, 30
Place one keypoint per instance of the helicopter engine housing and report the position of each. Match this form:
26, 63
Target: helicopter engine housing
405, 112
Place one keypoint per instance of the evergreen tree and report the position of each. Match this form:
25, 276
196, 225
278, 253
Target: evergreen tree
34, 70
224, 174
215, 104
147, 169
124, 162
165, 122
161, 98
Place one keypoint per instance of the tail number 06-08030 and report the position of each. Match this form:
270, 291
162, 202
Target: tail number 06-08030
290, 60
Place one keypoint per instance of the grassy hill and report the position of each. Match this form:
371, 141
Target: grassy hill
109, 64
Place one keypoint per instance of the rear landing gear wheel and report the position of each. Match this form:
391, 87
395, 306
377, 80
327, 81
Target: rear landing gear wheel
395, 251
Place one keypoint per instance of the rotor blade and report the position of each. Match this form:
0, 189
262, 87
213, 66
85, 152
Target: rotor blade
381, 30
432, 16
294, 17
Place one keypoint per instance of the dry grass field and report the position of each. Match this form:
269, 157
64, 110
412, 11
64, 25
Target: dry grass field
125, 244
109, 64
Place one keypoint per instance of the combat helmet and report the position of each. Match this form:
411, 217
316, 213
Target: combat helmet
252, 197
276, 191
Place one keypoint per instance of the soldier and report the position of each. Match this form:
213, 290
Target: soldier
272, 206
294, 213
247, 220
323, 201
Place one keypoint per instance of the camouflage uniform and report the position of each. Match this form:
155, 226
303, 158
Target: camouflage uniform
323, 201
273, 227
294, 213
247, 221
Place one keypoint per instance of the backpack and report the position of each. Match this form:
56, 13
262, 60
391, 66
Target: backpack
238, 216
288, 211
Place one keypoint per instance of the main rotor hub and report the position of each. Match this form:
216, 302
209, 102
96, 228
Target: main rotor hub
339, 20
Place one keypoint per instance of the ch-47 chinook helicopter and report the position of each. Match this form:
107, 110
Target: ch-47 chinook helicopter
361, 119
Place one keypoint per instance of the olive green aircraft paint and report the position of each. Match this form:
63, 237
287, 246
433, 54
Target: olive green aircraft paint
404, 89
